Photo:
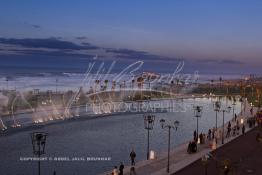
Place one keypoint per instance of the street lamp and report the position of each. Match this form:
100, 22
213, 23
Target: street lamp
149, 123
234, 104
217, 107
38, 142
228, 111
198, 113
251, 104
169, 127
241, 101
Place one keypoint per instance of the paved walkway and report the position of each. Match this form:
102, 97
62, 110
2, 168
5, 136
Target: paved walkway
179, 158
243, 156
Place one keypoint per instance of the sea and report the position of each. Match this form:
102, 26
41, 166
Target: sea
24, 78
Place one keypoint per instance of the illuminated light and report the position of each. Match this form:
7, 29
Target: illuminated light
214, 145
241, 120
198, 140
152, 155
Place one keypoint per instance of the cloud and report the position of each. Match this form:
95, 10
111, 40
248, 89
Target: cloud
223, 61
55, 46
36, 26
89, 46
140, 55
227, 61
49, 43
81, 38
126, 51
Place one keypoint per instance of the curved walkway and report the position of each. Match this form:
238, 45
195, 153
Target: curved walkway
179, 158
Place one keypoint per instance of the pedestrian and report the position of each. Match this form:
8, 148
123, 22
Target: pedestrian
235, 116
195, 136
234, 130
132, 171
213, 133
204, 138
194, 147
209, 134
189, 148
228, 130
238, 128
132, 157
121, 168
115, 171
201, 138
243, 129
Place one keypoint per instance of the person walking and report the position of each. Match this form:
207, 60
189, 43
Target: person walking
115, 171
213, 133
132, 157
121, 168
228, 130
195, 136
238, 128
243, 129
209, 134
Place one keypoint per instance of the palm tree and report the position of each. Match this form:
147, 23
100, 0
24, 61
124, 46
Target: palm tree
177, 81
133, 82
140, 81
124, 84
220, 83
113, 85
212, 81
96, 84
106, 82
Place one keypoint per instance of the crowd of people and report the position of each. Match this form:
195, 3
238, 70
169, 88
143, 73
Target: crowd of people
214, 134
120, 170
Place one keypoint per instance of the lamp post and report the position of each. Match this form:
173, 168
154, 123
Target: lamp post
234, 104
149, 123
169, 127
241, 101
252, 108
228, 111
38, 142
198, 113
217, 106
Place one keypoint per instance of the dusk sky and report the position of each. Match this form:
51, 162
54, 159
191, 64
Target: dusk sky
208, 35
